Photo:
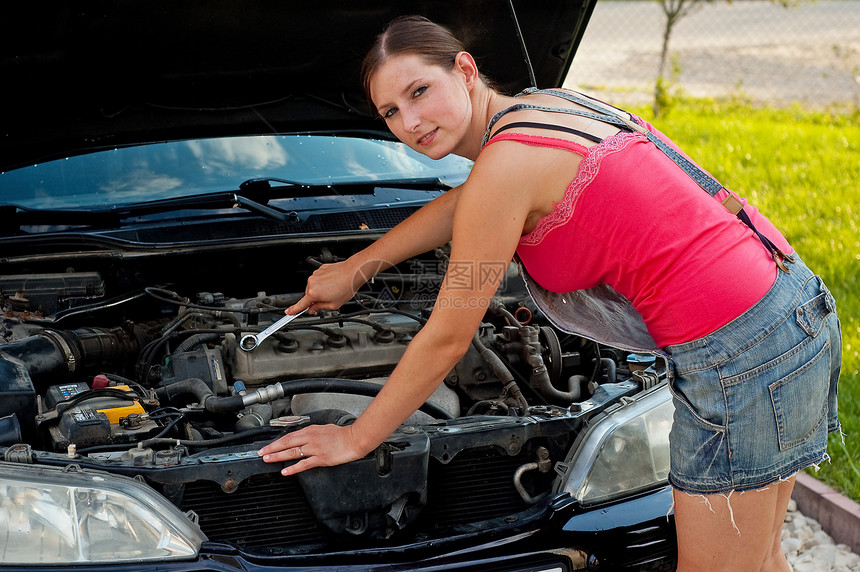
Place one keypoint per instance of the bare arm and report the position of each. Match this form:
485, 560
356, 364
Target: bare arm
332, 285
487, 228
488, 222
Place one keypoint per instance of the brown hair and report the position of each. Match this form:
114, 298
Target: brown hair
410, 35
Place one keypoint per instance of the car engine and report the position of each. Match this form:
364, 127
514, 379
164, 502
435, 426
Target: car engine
135, 366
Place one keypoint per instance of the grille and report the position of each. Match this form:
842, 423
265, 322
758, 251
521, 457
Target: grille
266, 510
373, 218
649, 547
270, 510
474, 486
332, 222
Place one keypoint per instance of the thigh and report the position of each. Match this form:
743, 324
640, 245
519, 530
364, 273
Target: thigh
733, 532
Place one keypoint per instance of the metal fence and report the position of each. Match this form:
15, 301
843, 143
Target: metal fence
807, 52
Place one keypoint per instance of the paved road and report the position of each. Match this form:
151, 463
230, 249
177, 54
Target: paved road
808, 53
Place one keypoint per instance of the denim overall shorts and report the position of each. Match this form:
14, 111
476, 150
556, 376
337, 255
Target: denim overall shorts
755, 399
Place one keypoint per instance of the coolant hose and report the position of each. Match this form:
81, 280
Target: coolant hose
498, 369
610, 367
190, 342
257, 415
540, 379
198, 388
331, 417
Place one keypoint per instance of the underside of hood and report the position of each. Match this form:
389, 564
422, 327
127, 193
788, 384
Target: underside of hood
86, 75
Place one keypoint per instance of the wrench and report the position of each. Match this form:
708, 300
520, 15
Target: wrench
251, 341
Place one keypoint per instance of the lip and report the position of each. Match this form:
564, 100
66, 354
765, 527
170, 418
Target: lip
428, 138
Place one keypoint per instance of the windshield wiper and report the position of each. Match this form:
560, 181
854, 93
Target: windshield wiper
304, 190
252, 195
23, 216
265, 210
13, 218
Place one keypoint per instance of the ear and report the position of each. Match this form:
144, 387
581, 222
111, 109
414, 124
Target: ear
465, 64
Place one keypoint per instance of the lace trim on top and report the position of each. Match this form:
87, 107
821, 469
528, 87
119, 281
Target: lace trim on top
588, 169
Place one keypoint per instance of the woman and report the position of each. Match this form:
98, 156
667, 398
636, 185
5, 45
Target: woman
590, 202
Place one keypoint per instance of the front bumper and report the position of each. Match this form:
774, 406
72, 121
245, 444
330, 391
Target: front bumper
635, 534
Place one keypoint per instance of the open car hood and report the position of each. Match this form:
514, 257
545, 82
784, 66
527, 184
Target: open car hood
132, 404
117, 72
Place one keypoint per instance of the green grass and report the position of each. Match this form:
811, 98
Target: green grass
802, 169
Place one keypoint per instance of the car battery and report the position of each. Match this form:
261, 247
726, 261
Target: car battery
57, 394
98, 420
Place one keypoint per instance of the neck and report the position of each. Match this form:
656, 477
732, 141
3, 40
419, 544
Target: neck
485, 103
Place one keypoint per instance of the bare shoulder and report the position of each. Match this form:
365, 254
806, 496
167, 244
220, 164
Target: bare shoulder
507, 164
511, 162
528, 178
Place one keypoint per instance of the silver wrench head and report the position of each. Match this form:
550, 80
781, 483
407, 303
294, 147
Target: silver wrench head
250, 342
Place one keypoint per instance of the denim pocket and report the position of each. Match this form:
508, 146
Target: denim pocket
800, 399
812, 315
711, 413
698, 446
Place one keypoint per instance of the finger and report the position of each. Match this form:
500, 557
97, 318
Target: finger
299, 466
304, 304
281, 444
271, 448
288, 454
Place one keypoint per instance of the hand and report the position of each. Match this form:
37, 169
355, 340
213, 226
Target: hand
313, 446
330, 287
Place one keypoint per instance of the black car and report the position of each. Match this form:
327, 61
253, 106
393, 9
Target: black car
172, 172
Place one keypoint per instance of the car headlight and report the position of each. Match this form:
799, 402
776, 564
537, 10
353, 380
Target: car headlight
625, 451
52, 516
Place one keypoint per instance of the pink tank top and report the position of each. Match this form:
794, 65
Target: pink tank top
634, 220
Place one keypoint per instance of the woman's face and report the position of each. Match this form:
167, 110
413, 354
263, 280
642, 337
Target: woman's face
426, 106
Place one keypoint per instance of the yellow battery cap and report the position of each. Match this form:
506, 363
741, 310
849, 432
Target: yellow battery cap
114, 413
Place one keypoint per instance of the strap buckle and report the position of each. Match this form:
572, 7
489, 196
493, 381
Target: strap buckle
781, 258
732, 203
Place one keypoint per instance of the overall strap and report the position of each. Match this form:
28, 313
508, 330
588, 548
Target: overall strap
703, 179
519, 106
625, 122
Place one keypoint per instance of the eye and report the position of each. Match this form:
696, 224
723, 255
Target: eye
419, 91
389, 113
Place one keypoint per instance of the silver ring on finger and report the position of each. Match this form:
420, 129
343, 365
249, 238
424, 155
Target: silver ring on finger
301, 454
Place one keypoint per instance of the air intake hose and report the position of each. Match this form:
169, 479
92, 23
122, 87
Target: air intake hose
53, 356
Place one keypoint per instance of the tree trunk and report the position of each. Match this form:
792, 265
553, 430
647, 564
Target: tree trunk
674, 10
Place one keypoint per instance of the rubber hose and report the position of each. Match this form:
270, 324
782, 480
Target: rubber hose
198, 388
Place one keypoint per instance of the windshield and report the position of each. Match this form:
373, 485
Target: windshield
184, 168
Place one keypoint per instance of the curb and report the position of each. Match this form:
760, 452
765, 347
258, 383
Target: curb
838, 515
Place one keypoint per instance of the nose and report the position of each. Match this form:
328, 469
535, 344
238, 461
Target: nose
411, 119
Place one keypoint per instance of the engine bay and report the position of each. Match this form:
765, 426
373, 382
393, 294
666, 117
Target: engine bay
133, 367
